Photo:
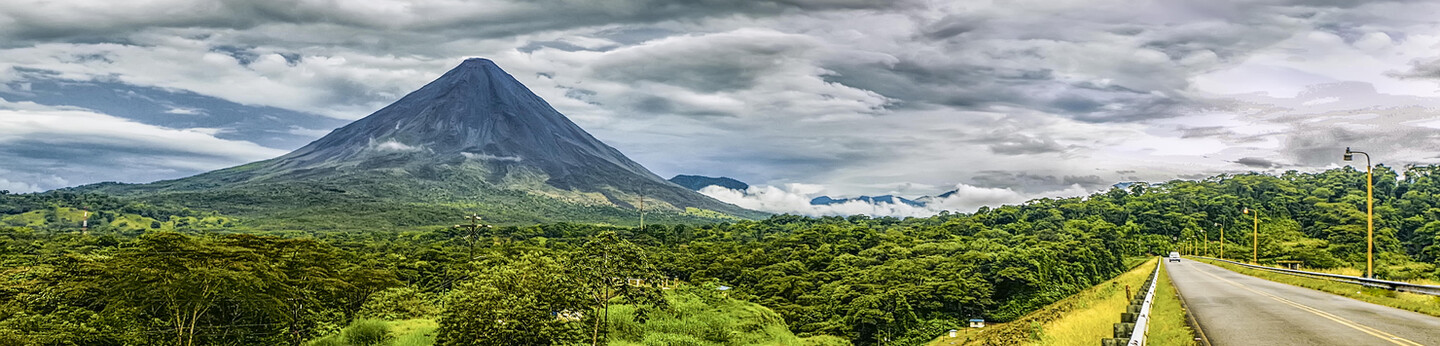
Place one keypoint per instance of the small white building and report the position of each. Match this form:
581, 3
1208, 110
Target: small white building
977, 323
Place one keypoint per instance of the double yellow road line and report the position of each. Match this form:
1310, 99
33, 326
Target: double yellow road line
1341, 320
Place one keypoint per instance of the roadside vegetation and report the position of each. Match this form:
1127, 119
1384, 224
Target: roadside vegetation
858, 279
1168, 317
1092, 313
1425, 304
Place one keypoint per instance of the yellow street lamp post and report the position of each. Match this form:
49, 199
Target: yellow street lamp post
1205, 239
1255, 240
1222, 240
1369, 212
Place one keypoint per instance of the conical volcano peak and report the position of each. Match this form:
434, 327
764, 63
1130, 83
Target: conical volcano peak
477, 72
476, 112
471, 66
478, 62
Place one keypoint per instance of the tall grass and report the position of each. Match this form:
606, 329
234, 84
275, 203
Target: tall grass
413, 332
697, 320
366, 332
371, 332
1096, 310
1425, 304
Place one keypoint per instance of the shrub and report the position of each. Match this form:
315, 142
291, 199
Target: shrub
399, 303
366, 332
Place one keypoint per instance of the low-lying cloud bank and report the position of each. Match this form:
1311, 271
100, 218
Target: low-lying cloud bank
795, 199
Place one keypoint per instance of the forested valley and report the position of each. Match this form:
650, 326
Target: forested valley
165, 275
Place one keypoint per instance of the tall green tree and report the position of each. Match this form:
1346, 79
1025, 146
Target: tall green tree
528, 301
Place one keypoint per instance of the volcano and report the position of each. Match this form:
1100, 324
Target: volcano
474, 140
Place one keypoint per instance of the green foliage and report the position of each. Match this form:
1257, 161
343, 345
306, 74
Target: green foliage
414, 332
399, 303
366, 332
866, 280
521, 302
825, 340
334, 340
168, 288
698, 316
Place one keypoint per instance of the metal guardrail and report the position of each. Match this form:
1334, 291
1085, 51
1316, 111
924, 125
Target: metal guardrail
1134, 322
1368, 282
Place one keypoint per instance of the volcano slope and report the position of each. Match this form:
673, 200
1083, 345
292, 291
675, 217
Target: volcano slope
474, 140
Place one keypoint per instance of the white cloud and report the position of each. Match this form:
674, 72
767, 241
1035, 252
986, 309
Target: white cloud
18, 187
474, 156
46, 140
184, 111
58, 125
795, 199
393, 145
335, 86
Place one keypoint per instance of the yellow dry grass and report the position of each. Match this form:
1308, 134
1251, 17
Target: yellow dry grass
1097, 311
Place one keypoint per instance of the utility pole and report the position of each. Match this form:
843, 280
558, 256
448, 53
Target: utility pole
642, 207
474, 227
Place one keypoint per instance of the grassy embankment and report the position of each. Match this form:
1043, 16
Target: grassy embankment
1168, 316
1088, 316
1425, 304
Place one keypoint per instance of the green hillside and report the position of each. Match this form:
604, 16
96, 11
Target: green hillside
401, 199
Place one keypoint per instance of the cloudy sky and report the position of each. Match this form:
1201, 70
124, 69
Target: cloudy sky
1002, 101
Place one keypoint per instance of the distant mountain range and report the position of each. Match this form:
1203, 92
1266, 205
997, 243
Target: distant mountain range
826, 200
474, 140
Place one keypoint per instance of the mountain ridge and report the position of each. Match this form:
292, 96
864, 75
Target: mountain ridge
697, 182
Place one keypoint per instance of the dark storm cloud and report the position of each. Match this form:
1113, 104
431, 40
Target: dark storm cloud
917, 84
1030, 182
706, 64
1419, 69
1318, 145
1256, 162
80, 21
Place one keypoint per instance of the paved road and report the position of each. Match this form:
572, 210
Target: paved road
1235, 309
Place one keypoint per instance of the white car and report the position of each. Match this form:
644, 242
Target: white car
1174, 257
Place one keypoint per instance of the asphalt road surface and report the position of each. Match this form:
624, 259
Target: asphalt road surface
1235, 309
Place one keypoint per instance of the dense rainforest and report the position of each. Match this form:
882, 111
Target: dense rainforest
148, 275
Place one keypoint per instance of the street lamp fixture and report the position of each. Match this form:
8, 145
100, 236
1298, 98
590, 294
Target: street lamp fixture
1369, 212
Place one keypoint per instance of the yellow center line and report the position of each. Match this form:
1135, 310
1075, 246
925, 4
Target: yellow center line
1348, 323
